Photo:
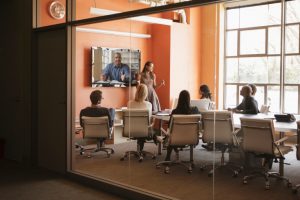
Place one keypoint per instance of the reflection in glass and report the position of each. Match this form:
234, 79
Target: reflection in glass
232, 70
230, 101
292, 69
273, 98
253, 70
231, 43
274, 13
292, 39
291, 99
274, 34
253, 42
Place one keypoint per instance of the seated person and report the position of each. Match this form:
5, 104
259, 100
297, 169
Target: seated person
95, 110
183, 108
248, 105
204, 103
117, 70
140, 102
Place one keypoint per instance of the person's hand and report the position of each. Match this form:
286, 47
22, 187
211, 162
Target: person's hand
122, 76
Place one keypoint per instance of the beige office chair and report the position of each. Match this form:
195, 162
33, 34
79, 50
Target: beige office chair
183, 130
217, 128
96, 128
136, 125
295, 189
259, 140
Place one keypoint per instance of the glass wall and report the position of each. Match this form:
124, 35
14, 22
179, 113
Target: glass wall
185, 48
254, 54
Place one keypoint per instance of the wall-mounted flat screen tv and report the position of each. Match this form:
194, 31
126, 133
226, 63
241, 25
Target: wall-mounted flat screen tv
114, 67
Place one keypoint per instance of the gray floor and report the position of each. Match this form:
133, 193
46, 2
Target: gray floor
22, 183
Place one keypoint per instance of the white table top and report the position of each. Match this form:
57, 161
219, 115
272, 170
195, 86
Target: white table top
279, 126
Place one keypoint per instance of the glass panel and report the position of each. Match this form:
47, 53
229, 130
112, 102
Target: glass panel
274, 34
231, 43
230, 99
96, 8
293, 11
273, 98
274, 69
232, 70
292, 70
253, 42
260, 96
253, 70
232, 18
292, 39
274, 13
291, 99
259, 16
50, 12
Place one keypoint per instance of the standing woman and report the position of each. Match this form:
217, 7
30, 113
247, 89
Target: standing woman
149, 79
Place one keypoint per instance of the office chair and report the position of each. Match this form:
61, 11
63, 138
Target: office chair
296, 187
259, 140
183, 130
217, 128
96, 128
136, 126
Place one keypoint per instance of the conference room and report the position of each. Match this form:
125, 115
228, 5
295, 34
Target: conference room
218, 45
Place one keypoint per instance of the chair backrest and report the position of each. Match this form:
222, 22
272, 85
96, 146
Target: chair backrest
184, 129
217, 127
135, 123
298, 140
96, 127
258, 135
201, 104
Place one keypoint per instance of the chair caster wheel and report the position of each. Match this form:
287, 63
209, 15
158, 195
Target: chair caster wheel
112, 151
141, 159
190, 170
245, 182
289, 185
167, 170
108, 155
267, 186
235, 174
153, 157
81, 153
121, 159
157, 166
210, 174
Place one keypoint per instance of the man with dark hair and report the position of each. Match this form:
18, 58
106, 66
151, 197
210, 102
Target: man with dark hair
95, 110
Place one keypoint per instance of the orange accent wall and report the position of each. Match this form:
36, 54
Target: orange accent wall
209, 71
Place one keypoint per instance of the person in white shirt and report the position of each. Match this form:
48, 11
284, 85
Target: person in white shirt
140, 102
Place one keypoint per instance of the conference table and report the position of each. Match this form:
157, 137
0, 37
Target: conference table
281, 127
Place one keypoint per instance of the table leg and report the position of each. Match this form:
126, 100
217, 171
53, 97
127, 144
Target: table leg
159, 144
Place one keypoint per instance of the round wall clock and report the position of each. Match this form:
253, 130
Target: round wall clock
57, 10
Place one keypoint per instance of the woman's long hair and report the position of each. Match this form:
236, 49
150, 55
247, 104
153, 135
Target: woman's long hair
148, 63
184, 103
205, 92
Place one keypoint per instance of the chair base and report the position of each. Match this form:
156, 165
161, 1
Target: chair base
296, 188
187, 164
108, 151
233, 168
266, 175
138, 154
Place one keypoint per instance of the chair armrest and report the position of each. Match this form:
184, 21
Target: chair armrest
281, 140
